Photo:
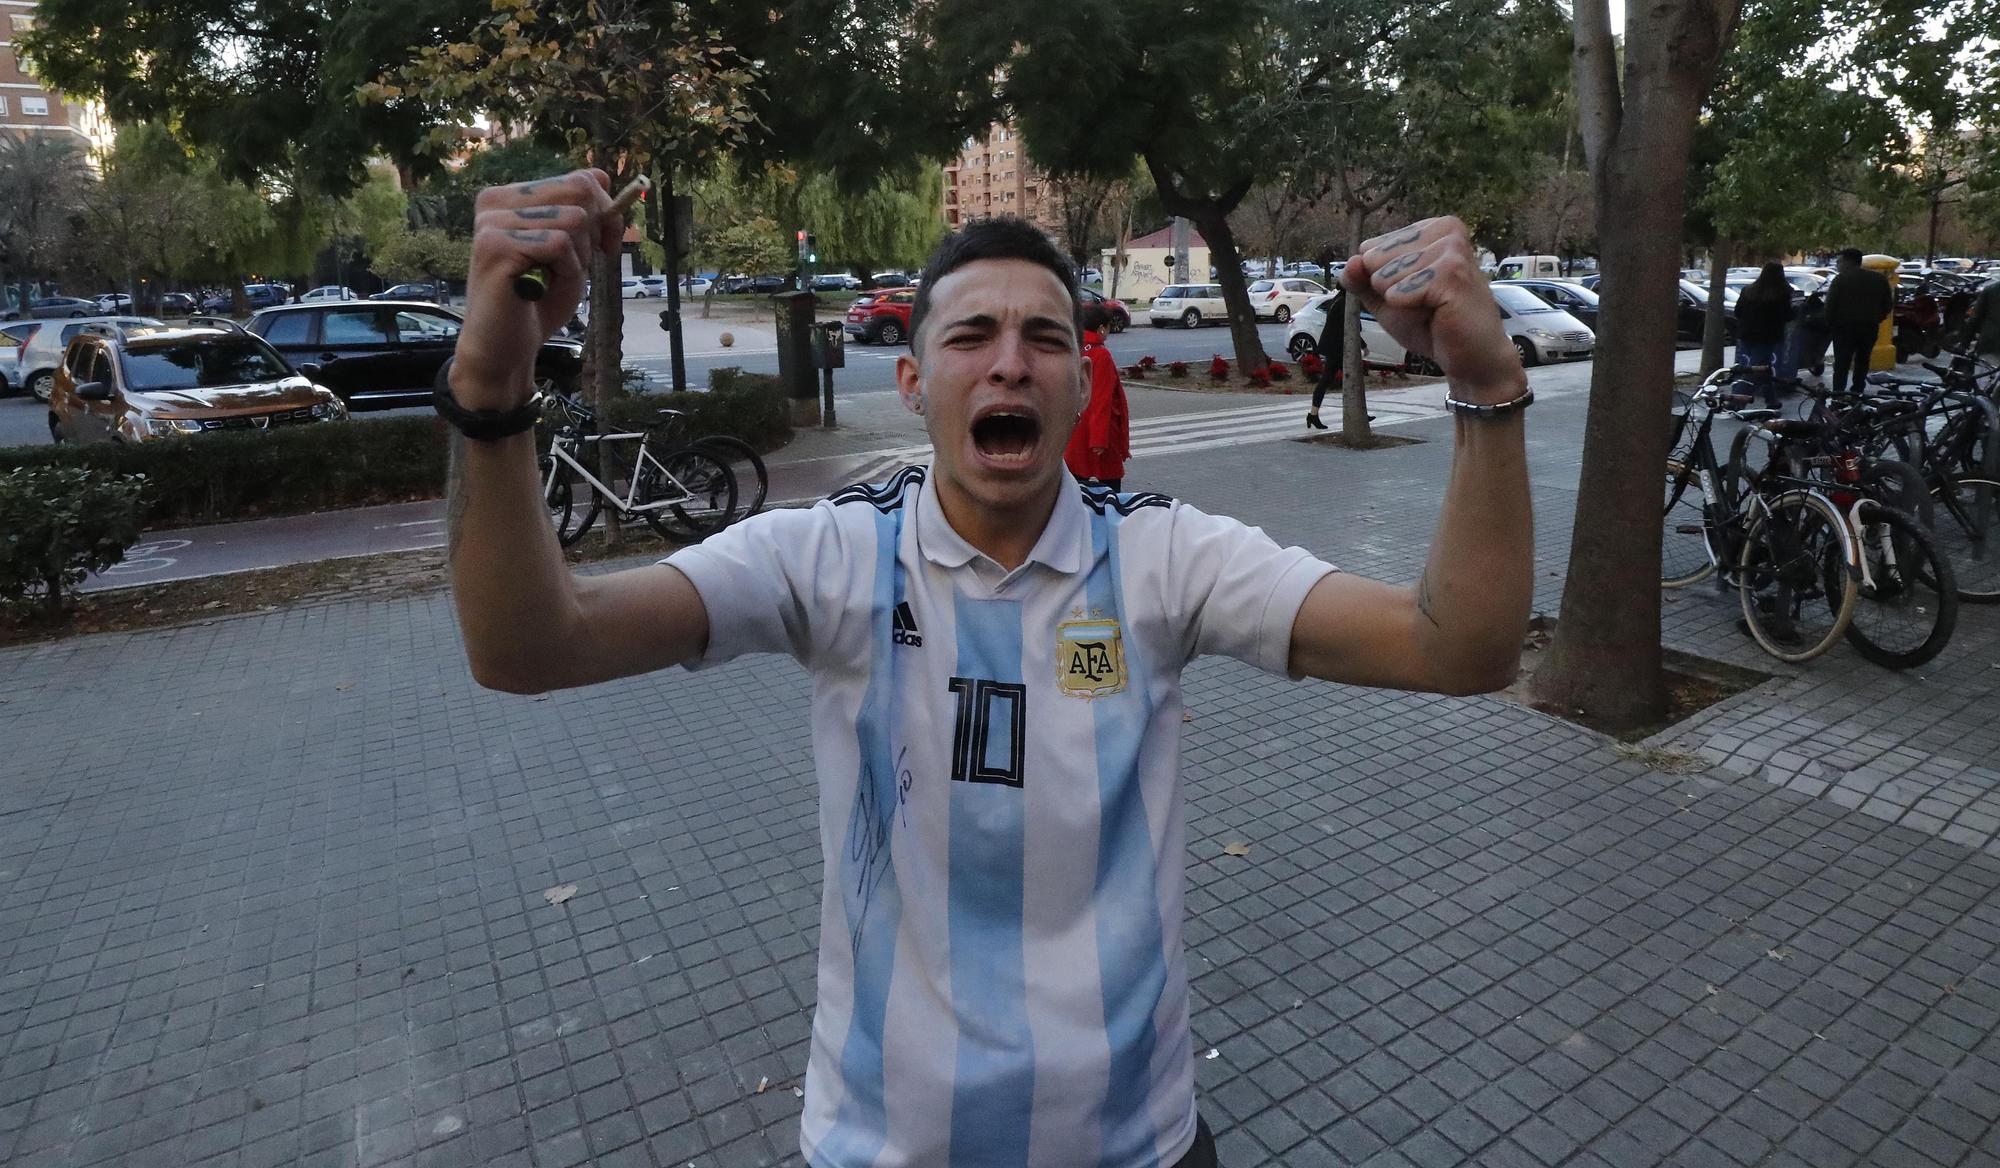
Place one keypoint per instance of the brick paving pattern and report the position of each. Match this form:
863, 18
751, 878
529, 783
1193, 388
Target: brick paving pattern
272, 892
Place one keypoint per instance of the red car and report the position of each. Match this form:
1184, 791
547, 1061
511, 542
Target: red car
881, 317
1121, 316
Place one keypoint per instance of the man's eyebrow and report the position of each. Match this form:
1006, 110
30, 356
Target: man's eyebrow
1060, 324
977, 320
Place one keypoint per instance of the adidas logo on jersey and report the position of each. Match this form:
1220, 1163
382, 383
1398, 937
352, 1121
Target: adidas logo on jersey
905, 624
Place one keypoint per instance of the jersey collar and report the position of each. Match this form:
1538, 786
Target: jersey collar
1061, 546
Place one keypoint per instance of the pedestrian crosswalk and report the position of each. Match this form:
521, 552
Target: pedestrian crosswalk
1200, 430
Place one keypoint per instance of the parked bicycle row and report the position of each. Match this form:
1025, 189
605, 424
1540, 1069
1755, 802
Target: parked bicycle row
686, 489
1870, 517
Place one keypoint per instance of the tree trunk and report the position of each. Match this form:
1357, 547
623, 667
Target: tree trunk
1118, 252
1604, 660
1712, 320
603, 355
1213, 223
1354, 429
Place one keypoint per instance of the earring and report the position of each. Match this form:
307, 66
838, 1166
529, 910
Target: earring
917, 402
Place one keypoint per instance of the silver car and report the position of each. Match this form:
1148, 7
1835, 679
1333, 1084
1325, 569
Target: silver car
1541, 331
44, 350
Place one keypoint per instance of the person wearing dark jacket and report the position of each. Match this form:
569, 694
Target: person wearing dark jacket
1982, 323
1330, 349
1856, 304
1762, 311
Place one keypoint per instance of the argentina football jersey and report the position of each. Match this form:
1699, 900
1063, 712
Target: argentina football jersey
1001, 978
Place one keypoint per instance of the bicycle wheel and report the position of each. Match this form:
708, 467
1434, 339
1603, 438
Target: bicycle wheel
753, 482
560, 487
1907, 603
1685, 557
1965, 525
1796, 575
703, 491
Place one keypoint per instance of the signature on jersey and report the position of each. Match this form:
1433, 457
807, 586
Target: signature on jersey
868, 836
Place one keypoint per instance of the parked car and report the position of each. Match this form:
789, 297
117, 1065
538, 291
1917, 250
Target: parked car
329, 292
882, 317
178, 304
1693, 319
114, 302
890, 280
1575, 299
176, 382
1187, 305
258, 296
1279, 299
13, 338
1528, 267
42, 355
634, 288
387, 353
1378, 348
1541, 331
53, 307
835, 282
696, 286
1121, 316
416, 291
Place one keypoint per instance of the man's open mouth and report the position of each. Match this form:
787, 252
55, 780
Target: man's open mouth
1006, 437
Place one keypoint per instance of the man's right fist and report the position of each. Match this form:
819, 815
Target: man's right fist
554, 224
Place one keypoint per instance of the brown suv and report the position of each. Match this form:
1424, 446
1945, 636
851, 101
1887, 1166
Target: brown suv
178, 381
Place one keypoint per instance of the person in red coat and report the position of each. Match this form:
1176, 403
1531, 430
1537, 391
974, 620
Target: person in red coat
1102, 440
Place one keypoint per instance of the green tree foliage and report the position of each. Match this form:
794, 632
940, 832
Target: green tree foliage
57, 524
754, 246
893, 222
455, 190
43, 184
269, 86
426, 253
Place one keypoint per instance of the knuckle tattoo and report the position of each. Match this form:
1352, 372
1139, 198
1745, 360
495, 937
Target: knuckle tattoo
1415, 283
1398, 266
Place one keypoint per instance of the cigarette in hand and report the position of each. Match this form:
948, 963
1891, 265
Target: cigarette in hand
533, 283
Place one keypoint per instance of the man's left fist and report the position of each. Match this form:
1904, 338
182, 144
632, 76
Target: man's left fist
1426, 288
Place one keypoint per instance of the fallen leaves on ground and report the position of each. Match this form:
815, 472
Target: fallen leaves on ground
1236, 848
559, 893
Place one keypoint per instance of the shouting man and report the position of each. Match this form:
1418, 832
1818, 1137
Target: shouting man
996, 656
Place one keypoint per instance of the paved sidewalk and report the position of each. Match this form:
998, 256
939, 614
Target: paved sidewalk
272, 892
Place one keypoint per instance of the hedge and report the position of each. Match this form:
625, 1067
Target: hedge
326, 466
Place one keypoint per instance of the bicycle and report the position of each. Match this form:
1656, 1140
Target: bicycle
1906, 601
683, 493
1782, 544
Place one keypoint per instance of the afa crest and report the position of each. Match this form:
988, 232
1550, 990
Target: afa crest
1090, 658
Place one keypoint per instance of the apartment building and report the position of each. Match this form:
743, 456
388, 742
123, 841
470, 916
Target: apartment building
992, 177
27, 107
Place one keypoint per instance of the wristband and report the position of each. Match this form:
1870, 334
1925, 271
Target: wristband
483, 425
1496, 410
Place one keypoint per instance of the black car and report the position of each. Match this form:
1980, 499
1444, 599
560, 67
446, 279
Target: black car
1578, 301
387, 353
178, 304
408, 292
256, 295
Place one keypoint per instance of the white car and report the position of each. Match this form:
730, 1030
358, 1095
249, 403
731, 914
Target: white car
328, 292
13, 338
114, 302
1378, 348
45, 347
1188, 305
634, 288
1280, 300
696, 286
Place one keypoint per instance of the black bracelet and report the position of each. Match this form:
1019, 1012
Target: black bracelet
484, 425
1496, 410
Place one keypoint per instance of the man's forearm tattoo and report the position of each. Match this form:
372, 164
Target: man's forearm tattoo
1424, 598
1415, 283
538, 212
1399, 265
456, 498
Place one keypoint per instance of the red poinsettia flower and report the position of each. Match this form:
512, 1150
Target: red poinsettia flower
1218, 368
1311, 366
1147, 362
1279, 372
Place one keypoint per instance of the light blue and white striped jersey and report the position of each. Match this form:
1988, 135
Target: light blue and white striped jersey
1001, 977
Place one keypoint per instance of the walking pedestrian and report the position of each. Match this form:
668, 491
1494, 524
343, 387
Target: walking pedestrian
1857, 302
1982, 323
1102, 440
1331, 349
1001, 970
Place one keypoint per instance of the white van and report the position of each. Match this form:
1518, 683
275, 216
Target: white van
1529, 268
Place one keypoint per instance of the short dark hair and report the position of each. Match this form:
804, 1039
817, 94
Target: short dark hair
994, 239
1096, 318
1851, 254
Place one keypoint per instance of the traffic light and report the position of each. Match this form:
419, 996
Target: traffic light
812, 247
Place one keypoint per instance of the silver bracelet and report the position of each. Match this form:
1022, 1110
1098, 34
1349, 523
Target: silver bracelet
1496, 410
